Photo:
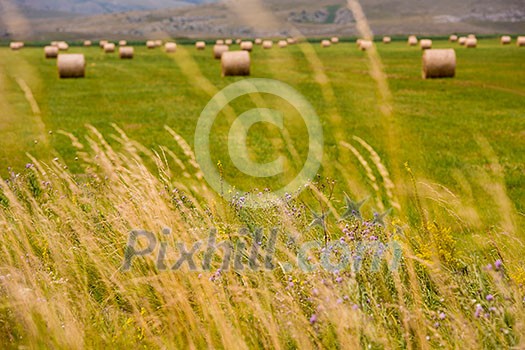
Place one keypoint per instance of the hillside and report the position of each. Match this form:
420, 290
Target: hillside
269, 18
90, 7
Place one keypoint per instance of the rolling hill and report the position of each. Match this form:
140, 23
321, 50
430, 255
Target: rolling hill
164, 18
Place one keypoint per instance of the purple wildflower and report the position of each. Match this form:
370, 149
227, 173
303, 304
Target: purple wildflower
313, 319
479, 310
489, 297
498, 264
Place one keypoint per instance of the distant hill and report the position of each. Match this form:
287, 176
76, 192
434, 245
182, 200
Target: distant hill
90, 7
271, 18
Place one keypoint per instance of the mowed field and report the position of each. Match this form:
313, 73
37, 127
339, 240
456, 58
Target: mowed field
443, 269
442, 127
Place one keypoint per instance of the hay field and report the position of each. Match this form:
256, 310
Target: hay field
447, 155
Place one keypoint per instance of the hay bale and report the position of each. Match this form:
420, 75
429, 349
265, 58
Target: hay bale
109, 48
258, 41
425, 44
228, 42
471, 36
126, 52
326, 43
150, 44
170, 47
506, 40
453, 38
235, 63
365, 45
520, 41
247, 46
51, 51
238, 41
219, 50
282, 44
387, 40
122, 43
267, 44
63, 46
54, 43
200, 45
219, 42
87, 43
471, 43
358, 42
439, 63
16, 45
334, 40
412, 40
291, 41
462, 40
102, 43
71, 65
158, 43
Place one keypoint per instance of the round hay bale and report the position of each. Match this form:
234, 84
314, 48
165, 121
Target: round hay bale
425, 44
63, 46
158, 43
219, 50
387, 40
219, 42
170, 47
326, 43
439, 63
126, 52
247, 46
453, 38
109, 48
520, 41
462, 40
51, 51
16, 45
235, 63
71, 65
282, 44
102, 43
267, 44
122, 43
365, 45
228, 42
471, 43
54, 43
258, 41
334, 40
506, 40
238, 41
471, 36
412, 40
150, 44
291, 41
358, 42
87, 43
200, 45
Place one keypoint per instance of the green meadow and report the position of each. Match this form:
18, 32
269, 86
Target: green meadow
438, 123
446, 155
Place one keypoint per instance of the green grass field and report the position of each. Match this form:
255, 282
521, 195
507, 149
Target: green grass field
451, 152
438, 121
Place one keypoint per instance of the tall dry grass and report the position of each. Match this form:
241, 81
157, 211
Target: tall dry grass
63, 243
